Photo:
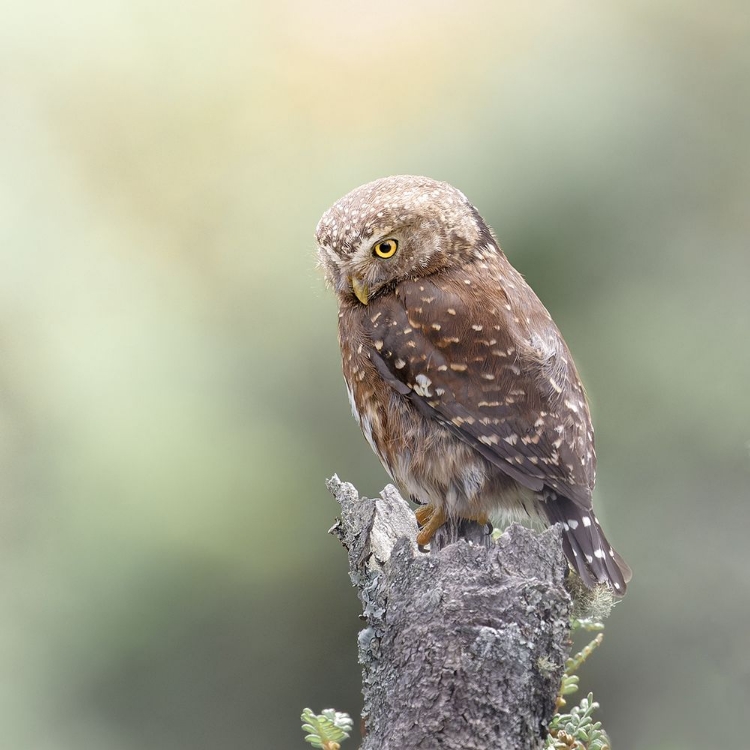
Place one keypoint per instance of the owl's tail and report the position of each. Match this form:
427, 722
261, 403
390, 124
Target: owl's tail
585, 545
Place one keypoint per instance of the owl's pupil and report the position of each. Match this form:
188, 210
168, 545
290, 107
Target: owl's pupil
386, 247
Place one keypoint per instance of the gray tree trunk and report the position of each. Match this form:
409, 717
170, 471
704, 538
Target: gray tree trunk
465, 646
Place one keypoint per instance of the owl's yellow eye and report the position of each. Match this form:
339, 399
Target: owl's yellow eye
386, 248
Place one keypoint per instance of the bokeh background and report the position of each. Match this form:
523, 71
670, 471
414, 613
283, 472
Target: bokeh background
170, 391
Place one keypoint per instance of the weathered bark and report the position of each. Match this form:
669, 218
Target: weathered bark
464, 647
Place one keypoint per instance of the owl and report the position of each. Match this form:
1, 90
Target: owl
460, 380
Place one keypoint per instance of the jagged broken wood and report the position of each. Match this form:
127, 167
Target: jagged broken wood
465, 646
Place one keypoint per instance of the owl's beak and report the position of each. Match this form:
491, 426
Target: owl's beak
360, 289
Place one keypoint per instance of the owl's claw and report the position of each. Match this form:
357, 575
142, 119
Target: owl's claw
423, 513
430, 519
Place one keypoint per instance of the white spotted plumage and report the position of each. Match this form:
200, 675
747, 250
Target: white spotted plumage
460, 380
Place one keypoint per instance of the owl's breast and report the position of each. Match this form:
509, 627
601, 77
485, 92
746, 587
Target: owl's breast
369, 396
401, 437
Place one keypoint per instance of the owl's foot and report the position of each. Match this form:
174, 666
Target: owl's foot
430, 519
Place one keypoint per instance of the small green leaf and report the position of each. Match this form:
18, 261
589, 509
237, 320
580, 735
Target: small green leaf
326, 730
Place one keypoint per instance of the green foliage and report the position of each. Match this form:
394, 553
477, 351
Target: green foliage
576, 729
326, 730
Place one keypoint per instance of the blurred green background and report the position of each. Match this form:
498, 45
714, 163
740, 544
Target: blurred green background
170, 391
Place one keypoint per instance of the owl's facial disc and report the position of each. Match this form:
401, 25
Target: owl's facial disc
393, 229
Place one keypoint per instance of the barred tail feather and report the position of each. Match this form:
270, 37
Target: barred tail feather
585, 545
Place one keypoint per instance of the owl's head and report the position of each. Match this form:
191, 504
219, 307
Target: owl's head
396, 228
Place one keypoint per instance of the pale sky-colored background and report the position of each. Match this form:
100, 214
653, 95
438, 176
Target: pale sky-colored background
170, 391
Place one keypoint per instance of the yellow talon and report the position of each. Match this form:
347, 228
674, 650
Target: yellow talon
423, 513
430, 519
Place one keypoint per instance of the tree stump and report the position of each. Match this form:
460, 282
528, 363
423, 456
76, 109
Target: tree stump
465, 646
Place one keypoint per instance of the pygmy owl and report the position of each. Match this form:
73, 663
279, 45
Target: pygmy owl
460, 380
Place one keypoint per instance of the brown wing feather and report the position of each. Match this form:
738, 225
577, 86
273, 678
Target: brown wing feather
466, 357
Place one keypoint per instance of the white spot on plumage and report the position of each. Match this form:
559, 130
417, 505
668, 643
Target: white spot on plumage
366, 425
586, 521
352, 402
573, 523
423, 385
477, 327
458, 366
399, 364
